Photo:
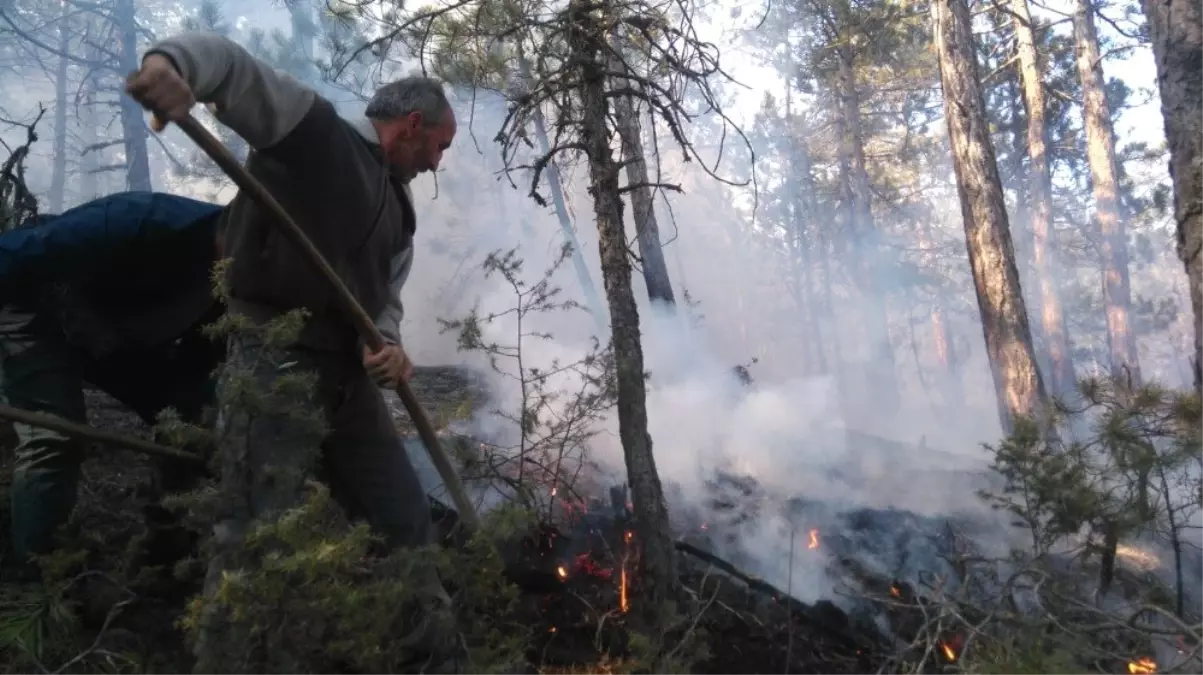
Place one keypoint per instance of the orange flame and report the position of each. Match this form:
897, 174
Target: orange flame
1142, 665
623, 606
949, 652
562, 571
895, 592
814, 540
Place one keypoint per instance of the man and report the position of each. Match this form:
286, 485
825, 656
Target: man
115, 293
346, 184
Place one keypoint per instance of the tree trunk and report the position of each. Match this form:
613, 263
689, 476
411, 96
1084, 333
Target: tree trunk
588, 289
658, 557
133, 124
1040, 190
863, 235
58, 172
983, 210
802, 209
1176, 31
1100, 155
647, 230
952, 387
88, 180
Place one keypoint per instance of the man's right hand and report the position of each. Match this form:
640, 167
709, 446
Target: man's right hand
161, 90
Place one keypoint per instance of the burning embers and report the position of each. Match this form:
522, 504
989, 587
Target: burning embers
593, 549
585, 564
1142, 665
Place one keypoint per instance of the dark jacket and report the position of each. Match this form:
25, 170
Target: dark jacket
329, 175
130, 268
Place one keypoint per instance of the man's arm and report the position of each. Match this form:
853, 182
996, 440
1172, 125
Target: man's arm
259, 103
389, 320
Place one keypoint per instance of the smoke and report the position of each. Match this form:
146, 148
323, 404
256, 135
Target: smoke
802, 436
789, 430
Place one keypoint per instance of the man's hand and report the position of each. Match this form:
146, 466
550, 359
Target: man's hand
389, 367
161, 90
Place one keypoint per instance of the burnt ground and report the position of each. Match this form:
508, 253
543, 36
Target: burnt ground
575, 614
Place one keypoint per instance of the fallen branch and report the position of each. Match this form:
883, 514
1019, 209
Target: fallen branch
85, 432
823, 615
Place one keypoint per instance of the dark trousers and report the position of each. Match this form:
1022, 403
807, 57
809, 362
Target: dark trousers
41, 372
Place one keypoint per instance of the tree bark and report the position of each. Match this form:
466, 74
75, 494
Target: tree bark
647, 230
588, 289
1040, 190
658, 558
800, 191
862, 232
983, 210
1100, 155
1176, 31
58, 172
133, 124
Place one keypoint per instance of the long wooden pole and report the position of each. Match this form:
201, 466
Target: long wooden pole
364, 323
85, 432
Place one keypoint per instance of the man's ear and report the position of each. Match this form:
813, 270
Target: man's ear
413, 121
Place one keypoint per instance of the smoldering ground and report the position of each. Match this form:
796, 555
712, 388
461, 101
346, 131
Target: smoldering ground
789, 431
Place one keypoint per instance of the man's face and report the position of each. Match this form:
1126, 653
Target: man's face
418, 147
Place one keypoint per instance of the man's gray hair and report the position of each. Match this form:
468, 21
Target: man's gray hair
410, 94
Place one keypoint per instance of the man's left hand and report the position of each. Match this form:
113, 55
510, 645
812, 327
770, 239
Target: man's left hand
389, 367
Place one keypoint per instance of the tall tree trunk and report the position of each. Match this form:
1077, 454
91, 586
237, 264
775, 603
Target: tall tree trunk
1176, 31
1040, 190
88, 181
647, 230
801, 205
658, 556
554, 183
133, 124
951, 385
1100, 155
984, 212
863, 235
58, 172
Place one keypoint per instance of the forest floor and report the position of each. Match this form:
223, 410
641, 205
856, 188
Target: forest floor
120, 603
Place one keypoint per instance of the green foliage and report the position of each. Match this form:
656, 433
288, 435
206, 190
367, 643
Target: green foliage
1025, 652
42, 624
320, 602
1133, 473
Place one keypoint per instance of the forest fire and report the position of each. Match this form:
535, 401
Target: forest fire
948, 651
814, 540
1142, 665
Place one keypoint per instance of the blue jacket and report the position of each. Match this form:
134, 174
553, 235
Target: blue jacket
116, 241
136, 263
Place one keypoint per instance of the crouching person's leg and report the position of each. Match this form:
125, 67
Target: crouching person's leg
39, 375
270, 428
371, 476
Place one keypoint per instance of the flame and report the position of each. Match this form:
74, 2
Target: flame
553, 491
1142, 665
949, 652
551, 630
895, 592
1138, 557
562, 571
623, 606
814, 540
